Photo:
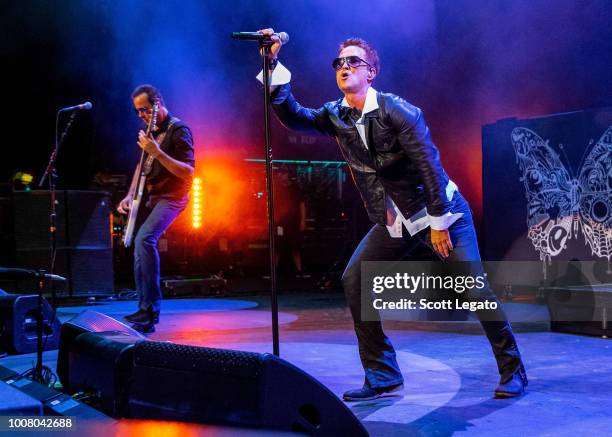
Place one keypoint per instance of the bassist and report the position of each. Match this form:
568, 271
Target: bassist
168, 151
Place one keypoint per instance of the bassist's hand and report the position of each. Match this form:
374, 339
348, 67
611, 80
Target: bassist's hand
125, 205
148, 144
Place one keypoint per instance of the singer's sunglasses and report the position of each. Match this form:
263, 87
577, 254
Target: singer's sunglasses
142, 110
351, 61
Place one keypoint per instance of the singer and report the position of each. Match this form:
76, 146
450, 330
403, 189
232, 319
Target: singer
166, 194
408, 196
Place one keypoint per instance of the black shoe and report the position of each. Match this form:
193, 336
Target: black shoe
143, 316
137, 317
154, 315
145, 328
367, 393
514, 386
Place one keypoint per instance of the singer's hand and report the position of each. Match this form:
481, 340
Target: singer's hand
148, 144
274, 48
441, 242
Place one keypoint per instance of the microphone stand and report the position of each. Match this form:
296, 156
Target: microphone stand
51, 173
265, 47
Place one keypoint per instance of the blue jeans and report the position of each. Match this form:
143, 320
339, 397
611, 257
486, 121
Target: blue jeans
375, 350
146, 255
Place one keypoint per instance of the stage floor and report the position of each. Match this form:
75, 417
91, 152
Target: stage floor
449, 370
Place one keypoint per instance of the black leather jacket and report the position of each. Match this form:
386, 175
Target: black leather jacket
402, 161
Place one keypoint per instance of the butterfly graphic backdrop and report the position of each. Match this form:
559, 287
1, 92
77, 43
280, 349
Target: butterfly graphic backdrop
547, 189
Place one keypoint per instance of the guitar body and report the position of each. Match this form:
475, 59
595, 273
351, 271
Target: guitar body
138, 185
133, 214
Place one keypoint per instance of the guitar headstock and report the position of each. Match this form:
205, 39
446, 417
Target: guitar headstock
153, 121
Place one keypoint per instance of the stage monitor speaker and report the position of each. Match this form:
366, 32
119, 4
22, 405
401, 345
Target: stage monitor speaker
199, 384
18, 324
101, 363
87, 321
13, 402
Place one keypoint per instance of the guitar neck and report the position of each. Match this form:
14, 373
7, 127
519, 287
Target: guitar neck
137, 174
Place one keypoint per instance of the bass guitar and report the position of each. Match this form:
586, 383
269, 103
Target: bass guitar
138, 183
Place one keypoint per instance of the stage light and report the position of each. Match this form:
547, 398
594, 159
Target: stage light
196, 212
22, 181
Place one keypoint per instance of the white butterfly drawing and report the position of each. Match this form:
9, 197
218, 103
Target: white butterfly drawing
560, 205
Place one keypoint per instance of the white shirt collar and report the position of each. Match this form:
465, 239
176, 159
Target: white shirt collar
371, 102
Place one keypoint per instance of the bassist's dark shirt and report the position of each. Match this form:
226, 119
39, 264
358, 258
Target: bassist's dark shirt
178, 144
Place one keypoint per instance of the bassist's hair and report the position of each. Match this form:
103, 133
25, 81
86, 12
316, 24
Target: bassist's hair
152, 93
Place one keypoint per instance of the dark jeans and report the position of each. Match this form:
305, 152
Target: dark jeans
375, 350
146, 255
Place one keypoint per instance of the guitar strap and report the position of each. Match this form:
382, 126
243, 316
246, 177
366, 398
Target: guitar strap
161, 138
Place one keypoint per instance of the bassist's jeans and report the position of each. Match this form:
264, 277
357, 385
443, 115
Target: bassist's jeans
146, 255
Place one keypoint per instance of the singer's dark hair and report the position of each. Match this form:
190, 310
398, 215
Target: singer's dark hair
370, 51
152, 93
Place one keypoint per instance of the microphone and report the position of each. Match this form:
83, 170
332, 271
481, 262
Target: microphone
86, 105
256, 36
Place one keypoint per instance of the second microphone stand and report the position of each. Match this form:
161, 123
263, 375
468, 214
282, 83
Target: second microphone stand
265, 48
